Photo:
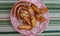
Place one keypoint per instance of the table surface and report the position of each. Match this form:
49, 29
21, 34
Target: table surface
53, 28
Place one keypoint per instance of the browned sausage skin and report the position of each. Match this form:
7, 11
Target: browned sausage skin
28, 12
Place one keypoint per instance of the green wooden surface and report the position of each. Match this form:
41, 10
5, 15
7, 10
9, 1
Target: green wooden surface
53, 28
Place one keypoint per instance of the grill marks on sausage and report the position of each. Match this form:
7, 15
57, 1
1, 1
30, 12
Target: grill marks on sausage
40, 18
24, 27
18, 4
36, 10
28, 12
44, 10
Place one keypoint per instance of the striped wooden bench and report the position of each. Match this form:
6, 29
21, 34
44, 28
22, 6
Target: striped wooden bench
53, 28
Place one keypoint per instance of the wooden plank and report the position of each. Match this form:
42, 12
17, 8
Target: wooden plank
52, 15
37, 35
8, 23
50, 11
8, 6
11, 29
46, 1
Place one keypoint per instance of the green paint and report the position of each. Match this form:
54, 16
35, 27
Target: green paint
9, 6
52, 22
18, 33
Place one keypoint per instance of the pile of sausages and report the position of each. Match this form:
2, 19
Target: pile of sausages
28, 14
